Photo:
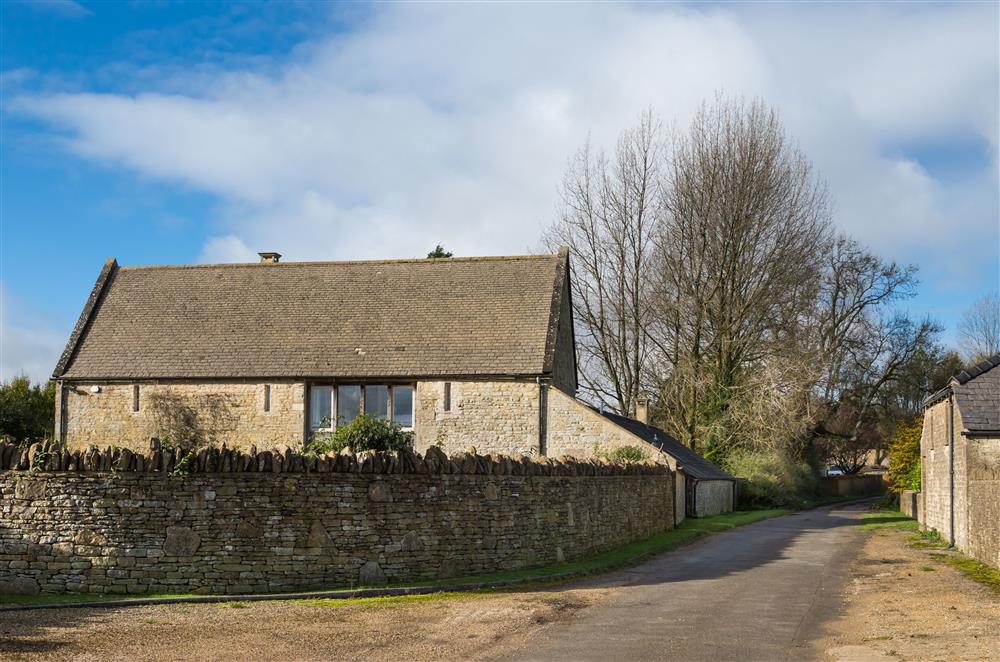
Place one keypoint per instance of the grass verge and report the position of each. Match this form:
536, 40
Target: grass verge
973, 569
620, 557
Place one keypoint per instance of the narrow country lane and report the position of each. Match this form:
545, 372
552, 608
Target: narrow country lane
758, 592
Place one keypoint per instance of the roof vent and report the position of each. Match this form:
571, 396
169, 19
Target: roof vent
269, 258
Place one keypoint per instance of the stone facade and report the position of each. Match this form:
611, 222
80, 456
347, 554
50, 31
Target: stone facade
976, 484
494, 417
577, 430
935, 454
231, 413
983, 497
332, 521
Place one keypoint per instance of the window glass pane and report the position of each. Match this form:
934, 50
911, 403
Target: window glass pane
348, 404
377, 401
319, 406
402, 405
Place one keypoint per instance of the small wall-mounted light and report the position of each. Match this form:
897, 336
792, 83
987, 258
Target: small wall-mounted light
95, 389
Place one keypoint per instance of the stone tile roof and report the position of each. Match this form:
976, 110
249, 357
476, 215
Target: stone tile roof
400, 318
690, 462
977, 393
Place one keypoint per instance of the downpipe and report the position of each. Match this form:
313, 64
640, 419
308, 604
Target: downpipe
951, 469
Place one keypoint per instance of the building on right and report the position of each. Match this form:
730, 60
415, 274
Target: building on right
960, 462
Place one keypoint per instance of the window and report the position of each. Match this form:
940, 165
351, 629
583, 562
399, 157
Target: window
377, 401
447, 396
135, 397
267, 397
330, 406
348, 404
320, 399
402, 405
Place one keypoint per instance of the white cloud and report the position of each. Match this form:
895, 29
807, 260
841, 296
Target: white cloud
452, 123
30, 340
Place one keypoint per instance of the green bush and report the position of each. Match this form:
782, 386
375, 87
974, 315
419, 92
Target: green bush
362, 434
771, 479
625, 454
27, 413
904, 456
628, 454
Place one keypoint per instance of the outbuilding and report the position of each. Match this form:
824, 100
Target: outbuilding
707, 489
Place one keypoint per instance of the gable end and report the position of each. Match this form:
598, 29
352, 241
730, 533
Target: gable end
100, 287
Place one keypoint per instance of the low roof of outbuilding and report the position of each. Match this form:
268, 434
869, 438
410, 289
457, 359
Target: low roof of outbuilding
690, 462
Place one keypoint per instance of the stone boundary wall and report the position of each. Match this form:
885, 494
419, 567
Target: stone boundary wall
232, 522
909, 503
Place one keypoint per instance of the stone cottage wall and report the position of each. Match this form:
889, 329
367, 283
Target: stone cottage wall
494, 417
230, 413
983, 498
934, 462
577, 430
242, 523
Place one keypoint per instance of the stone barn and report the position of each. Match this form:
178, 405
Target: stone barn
960, 462
463, 352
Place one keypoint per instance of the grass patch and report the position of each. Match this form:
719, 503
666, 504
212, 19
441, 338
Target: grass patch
973, 569
887, 518
620, 557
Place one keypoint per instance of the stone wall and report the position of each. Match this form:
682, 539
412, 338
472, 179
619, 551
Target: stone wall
983, 499
577, 430
909, 503
494, 417
240, 523
713, 497
934, 454
230, 413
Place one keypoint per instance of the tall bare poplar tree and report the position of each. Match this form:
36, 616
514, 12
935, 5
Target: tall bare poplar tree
738, 260
608, 218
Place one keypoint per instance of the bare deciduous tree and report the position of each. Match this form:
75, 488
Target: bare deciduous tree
608, 216
979, 330
738, 260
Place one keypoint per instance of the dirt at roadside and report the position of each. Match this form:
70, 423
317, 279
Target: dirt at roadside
904, 605
471, 627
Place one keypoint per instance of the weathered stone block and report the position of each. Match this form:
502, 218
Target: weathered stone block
181, 541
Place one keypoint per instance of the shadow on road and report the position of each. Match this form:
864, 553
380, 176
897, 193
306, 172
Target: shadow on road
730, 552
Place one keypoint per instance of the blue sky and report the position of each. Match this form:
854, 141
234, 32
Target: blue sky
171, 133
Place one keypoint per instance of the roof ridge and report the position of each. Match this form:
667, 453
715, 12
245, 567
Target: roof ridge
421, 260
978, 369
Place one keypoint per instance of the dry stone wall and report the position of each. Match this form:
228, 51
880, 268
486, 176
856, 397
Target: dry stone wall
226, 521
